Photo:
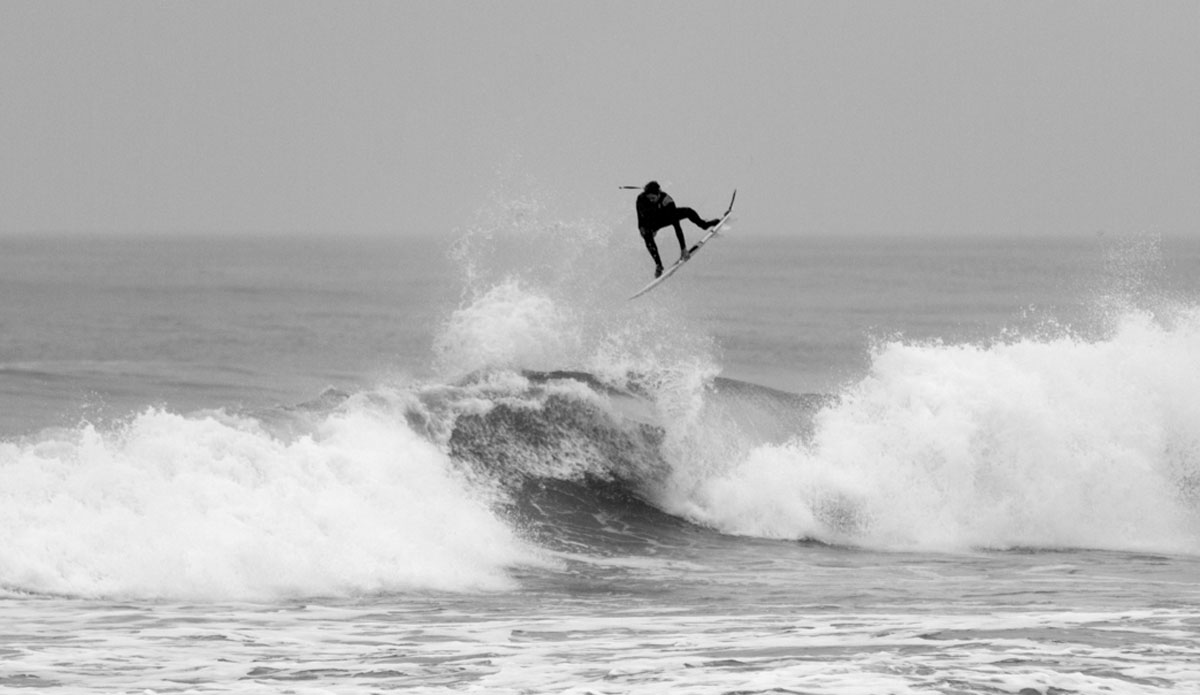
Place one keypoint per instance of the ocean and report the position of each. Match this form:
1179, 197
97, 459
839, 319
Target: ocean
467, 463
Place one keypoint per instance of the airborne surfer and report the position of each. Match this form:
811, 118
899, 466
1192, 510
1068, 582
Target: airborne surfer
655, 210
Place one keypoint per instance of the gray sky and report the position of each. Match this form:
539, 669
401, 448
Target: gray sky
381, 117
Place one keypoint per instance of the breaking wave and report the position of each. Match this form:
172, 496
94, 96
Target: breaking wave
1053, 443
562, 421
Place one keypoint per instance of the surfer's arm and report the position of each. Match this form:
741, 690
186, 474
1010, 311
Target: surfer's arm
645, 210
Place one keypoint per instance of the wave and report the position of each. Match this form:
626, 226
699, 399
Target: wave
561, 423
216, 506
425, 487
1049, 442
583, 463
1047, 438
1053, 441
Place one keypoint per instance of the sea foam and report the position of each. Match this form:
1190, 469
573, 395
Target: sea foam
507, 325
213, 507
1043, 442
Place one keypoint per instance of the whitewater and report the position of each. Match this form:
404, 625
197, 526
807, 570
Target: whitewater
468, 464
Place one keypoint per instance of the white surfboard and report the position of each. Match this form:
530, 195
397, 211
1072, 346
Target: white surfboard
712, 232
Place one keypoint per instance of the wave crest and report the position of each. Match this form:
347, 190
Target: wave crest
1056, 442
209, 506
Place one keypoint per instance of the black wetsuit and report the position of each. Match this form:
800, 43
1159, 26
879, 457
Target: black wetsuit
656, 210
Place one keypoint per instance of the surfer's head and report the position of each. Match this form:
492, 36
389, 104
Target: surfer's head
651, 187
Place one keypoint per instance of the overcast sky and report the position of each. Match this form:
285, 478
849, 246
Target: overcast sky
389, 117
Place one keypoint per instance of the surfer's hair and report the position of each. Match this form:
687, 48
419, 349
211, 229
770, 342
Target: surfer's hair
652, 186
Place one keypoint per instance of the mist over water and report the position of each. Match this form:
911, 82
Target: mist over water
543, 294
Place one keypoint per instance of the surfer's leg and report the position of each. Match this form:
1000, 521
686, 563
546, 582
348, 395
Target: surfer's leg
691, 216
648, 237
683, 250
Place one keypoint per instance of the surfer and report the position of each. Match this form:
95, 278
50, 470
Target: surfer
656, 210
